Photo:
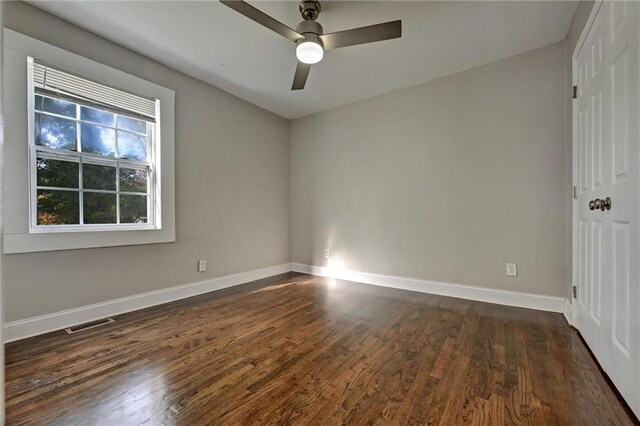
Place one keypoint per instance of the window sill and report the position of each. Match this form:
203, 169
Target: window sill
61, 229
51, 241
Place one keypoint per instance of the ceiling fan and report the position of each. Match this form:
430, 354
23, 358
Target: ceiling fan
310, 40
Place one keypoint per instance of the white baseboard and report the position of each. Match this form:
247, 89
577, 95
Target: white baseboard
501, 297
21, 329
568, 311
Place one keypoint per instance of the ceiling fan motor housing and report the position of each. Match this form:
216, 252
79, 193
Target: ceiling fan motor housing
309, 27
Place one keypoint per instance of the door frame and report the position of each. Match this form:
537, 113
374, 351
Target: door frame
574, 160
2, 416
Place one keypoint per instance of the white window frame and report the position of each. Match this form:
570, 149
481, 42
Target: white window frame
20, 236
154, 198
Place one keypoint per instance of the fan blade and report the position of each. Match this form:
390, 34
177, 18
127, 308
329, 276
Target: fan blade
362, 35
300, 78
262, 18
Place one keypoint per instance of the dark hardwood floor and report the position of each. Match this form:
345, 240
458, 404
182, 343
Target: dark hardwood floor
306, 350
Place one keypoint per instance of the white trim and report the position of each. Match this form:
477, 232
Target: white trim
568, 311
480, 294
21, 329
2, 334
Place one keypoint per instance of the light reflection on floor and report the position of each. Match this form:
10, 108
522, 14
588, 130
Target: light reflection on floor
134, 401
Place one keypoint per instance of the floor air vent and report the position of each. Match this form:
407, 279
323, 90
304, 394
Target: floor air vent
88, 325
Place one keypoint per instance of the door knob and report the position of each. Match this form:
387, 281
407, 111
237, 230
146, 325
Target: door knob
592, 205
606, 204
597, 204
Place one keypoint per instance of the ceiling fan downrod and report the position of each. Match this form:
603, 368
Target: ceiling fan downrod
309, 9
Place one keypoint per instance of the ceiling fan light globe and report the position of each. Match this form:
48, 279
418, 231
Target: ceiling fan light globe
309, 52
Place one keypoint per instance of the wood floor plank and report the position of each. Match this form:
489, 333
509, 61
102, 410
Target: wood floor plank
301, 350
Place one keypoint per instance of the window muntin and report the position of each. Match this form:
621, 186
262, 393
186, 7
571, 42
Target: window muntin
92, 167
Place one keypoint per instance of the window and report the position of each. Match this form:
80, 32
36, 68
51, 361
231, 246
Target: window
93, 154
89, 151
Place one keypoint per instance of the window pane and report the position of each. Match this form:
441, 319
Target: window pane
55, 132
38, 102
99, 207
131, 146
56, 106
98, 140
132, 124
97, 116
61, 174
133, 208
58, 207
98, 177
132, 180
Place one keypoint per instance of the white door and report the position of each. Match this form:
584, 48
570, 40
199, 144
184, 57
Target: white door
607, 177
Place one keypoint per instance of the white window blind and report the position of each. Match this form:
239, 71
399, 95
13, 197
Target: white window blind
82, 90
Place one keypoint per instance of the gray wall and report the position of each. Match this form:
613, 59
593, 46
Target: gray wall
232, 191
443, 181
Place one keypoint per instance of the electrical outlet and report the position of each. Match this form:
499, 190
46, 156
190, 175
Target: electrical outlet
202, 265
512, 269
327, 254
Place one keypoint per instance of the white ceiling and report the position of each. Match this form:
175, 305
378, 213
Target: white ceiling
213, 43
